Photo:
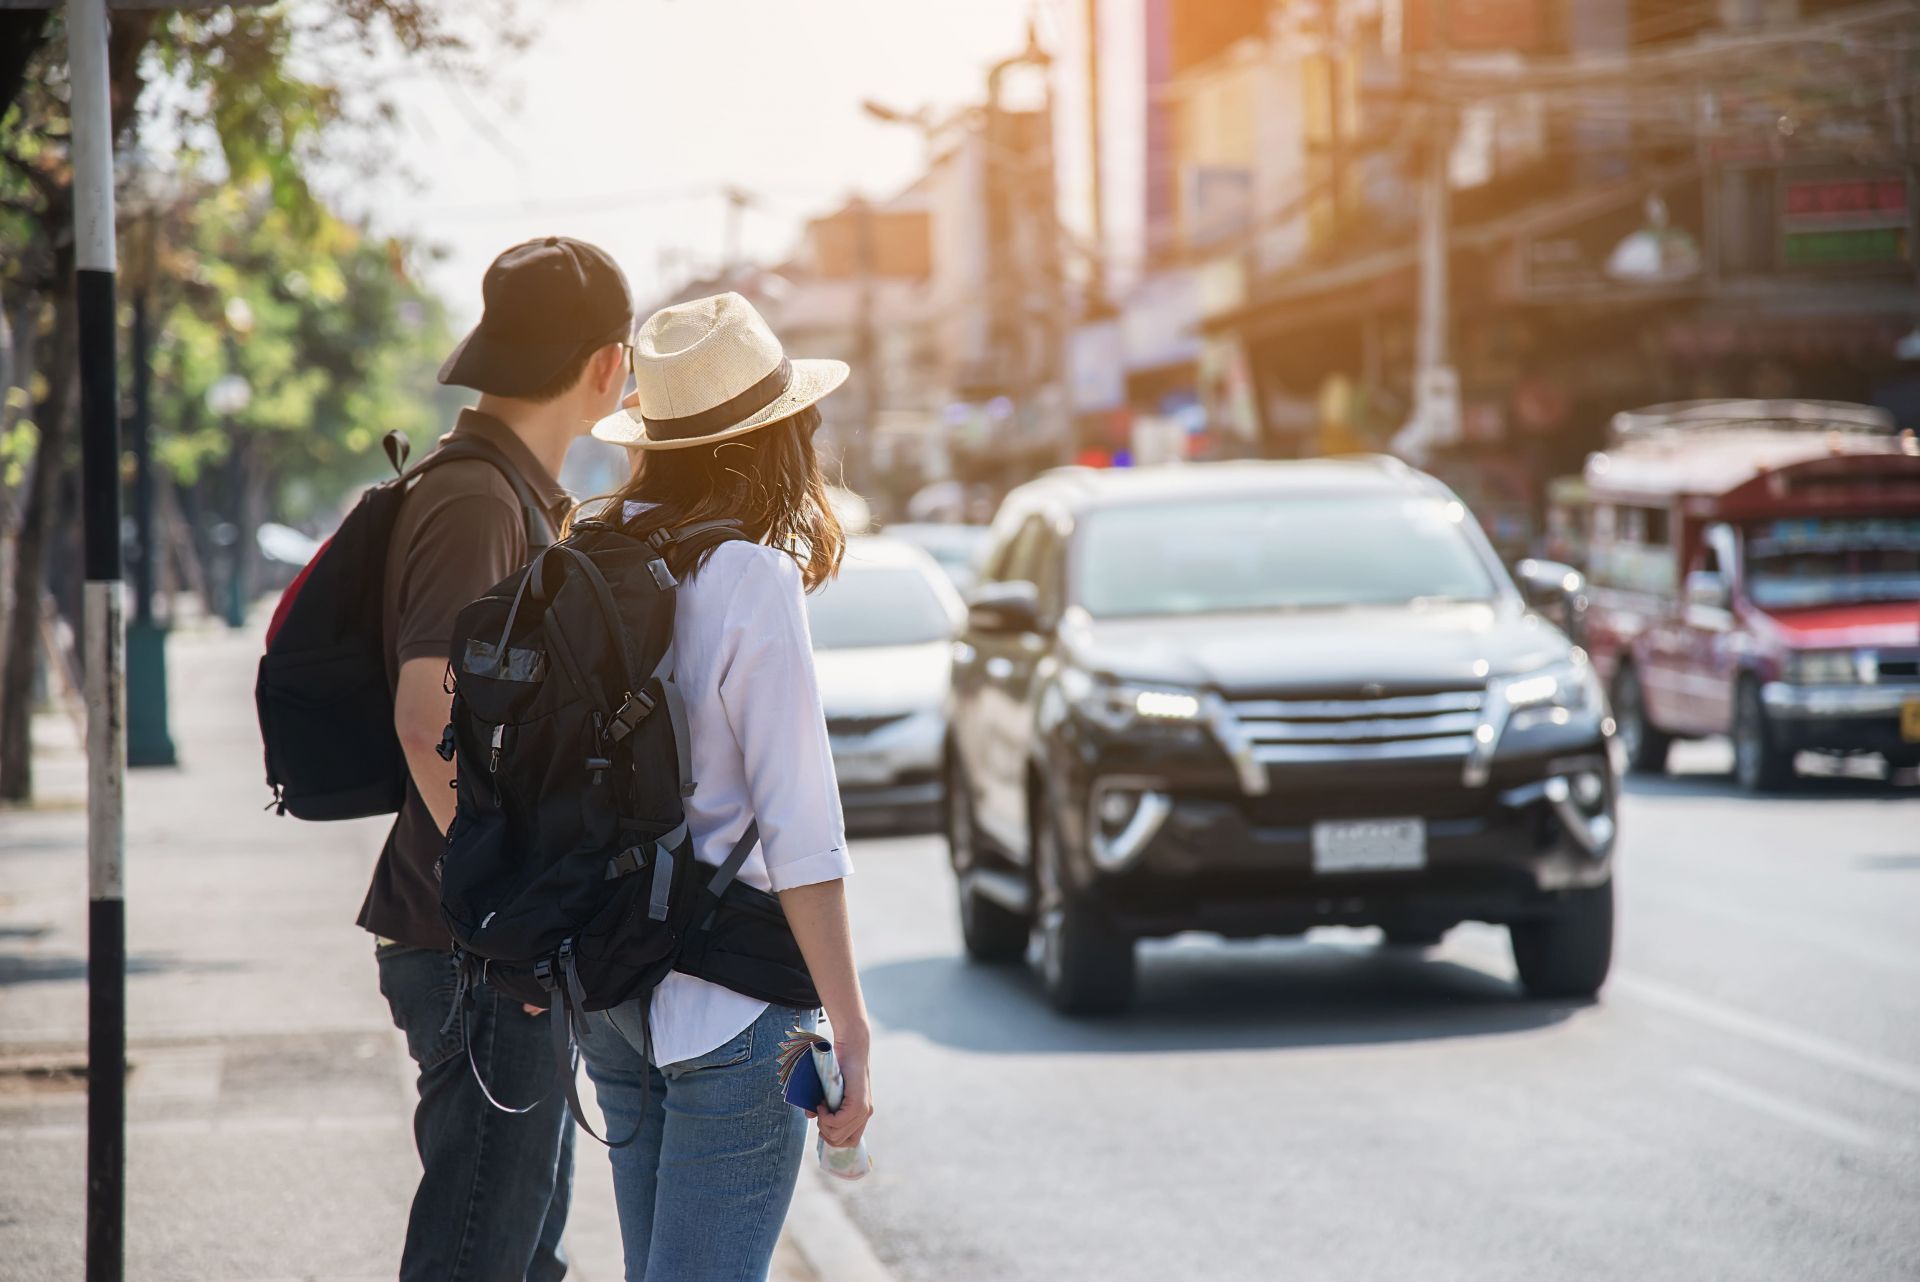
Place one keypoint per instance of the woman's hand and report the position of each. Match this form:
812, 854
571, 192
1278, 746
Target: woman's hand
843, 1127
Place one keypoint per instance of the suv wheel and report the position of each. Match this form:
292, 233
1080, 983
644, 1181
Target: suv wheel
990, 931
1569, 953
1086, 967
1646, 747
1759, 763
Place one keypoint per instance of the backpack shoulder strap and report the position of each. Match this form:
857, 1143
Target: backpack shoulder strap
539, 530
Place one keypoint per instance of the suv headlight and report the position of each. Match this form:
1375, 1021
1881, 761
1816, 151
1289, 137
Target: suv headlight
1556, 693
1120, 705
1829, 667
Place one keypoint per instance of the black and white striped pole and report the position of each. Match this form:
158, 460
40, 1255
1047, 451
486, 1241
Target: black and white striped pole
104, 629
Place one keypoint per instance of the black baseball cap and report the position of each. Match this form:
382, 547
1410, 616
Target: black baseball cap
548, 301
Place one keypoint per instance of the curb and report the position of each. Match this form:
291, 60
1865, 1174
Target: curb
826, 1236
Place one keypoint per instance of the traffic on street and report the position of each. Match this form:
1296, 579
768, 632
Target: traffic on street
1116, 641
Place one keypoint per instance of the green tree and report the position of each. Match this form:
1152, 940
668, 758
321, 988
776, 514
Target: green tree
275, 88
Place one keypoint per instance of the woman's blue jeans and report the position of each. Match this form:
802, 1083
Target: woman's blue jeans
704, 1188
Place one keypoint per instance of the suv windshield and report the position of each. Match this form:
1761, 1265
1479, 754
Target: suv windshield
1277, 553
877, 605
1843, 561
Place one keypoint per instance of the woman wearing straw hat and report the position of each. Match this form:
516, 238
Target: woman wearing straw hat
722, 427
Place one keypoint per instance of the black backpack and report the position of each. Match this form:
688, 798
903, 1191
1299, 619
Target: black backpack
569, 879
323, 694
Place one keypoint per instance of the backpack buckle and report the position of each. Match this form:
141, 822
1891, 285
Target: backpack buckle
658, 539
628, 716
662, 576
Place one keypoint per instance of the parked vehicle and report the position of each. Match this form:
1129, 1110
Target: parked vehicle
1756, 572
1253, 698
882, 633
957, 548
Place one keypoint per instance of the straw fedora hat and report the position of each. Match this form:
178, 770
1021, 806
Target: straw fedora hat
710, 370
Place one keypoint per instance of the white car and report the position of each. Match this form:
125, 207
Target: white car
882, 637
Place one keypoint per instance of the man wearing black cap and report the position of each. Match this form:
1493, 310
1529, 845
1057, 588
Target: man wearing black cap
547, 360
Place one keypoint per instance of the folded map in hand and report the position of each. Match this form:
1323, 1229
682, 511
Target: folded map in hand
810, 1079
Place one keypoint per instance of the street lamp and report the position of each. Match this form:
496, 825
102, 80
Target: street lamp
227, 399
149, 742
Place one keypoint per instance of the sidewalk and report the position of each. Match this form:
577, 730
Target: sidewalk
269, 1097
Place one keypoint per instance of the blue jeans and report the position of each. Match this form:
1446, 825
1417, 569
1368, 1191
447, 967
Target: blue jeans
494, 1187
703, 1190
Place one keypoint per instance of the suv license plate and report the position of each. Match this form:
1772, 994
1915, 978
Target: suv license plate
1910, 721
1369, 845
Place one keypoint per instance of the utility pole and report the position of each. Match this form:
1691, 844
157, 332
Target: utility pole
104, 628
867, 434
1436, 384
1097, 223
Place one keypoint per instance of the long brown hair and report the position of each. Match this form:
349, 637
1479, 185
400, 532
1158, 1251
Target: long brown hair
768, 480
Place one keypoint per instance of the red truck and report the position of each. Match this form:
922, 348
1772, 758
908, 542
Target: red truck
1755, 572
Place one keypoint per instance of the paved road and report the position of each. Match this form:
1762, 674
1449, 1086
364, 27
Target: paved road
1744, 1102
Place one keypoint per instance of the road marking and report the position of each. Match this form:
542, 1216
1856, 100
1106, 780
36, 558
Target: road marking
1473, 947
1780, 1109
1729, 1020
1769, 925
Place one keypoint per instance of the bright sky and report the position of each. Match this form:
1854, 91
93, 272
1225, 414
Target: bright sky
623, 122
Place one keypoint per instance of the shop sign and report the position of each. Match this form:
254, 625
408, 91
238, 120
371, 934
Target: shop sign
1842, 222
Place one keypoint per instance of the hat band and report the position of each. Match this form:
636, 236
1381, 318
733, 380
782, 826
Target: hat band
735, 409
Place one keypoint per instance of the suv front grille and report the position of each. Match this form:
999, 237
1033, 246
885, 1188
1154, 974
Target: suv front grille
1400, 727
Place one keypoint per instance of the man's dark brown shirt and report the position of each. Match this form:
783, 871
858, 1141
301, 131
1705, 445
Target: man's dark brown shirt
461, 530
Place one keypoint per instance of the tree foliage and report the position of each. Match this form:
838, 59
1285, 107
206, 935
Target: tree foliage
247, 103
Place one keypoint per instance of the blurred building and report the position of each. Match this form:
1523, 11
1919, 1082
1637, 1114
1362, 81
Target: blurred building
1650, 199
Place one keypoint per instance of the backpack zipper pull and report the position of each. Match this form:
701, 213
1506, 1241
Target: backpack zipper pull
499, 740
446, 748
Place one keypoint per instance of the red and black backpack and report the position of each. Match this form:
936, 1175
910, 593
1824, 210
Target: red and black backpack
323, 693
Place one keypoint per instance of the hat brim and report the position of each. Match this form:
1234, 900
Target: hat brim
502, 367
812, 379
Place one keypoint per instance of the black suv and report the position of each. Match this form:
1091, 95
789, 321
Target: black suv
1253, 698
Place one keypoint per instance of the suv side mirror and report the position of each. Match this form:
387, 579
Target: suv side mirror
1556, 590
1549, 584
1707, 588
1004, 609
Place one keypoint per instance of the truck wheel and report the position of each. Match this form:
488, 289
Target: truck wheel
1086, 967
1646, 746
1760, 764
990, 931
1567, 955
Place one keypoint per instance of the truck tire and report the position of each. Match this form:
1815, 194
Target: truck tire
1760, 763
991, 932
1567, 954
1645, 744
1086, 967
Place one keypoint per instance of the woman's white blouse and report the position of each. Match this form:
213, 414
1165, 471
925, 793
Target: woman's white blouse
759, 741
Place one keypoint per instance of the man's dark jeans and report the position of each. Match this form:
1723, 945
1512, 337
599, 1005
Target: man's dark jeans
493, 1197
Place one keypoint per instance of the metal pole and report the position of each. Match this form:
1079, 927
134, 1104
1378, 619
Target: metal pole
104, 629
